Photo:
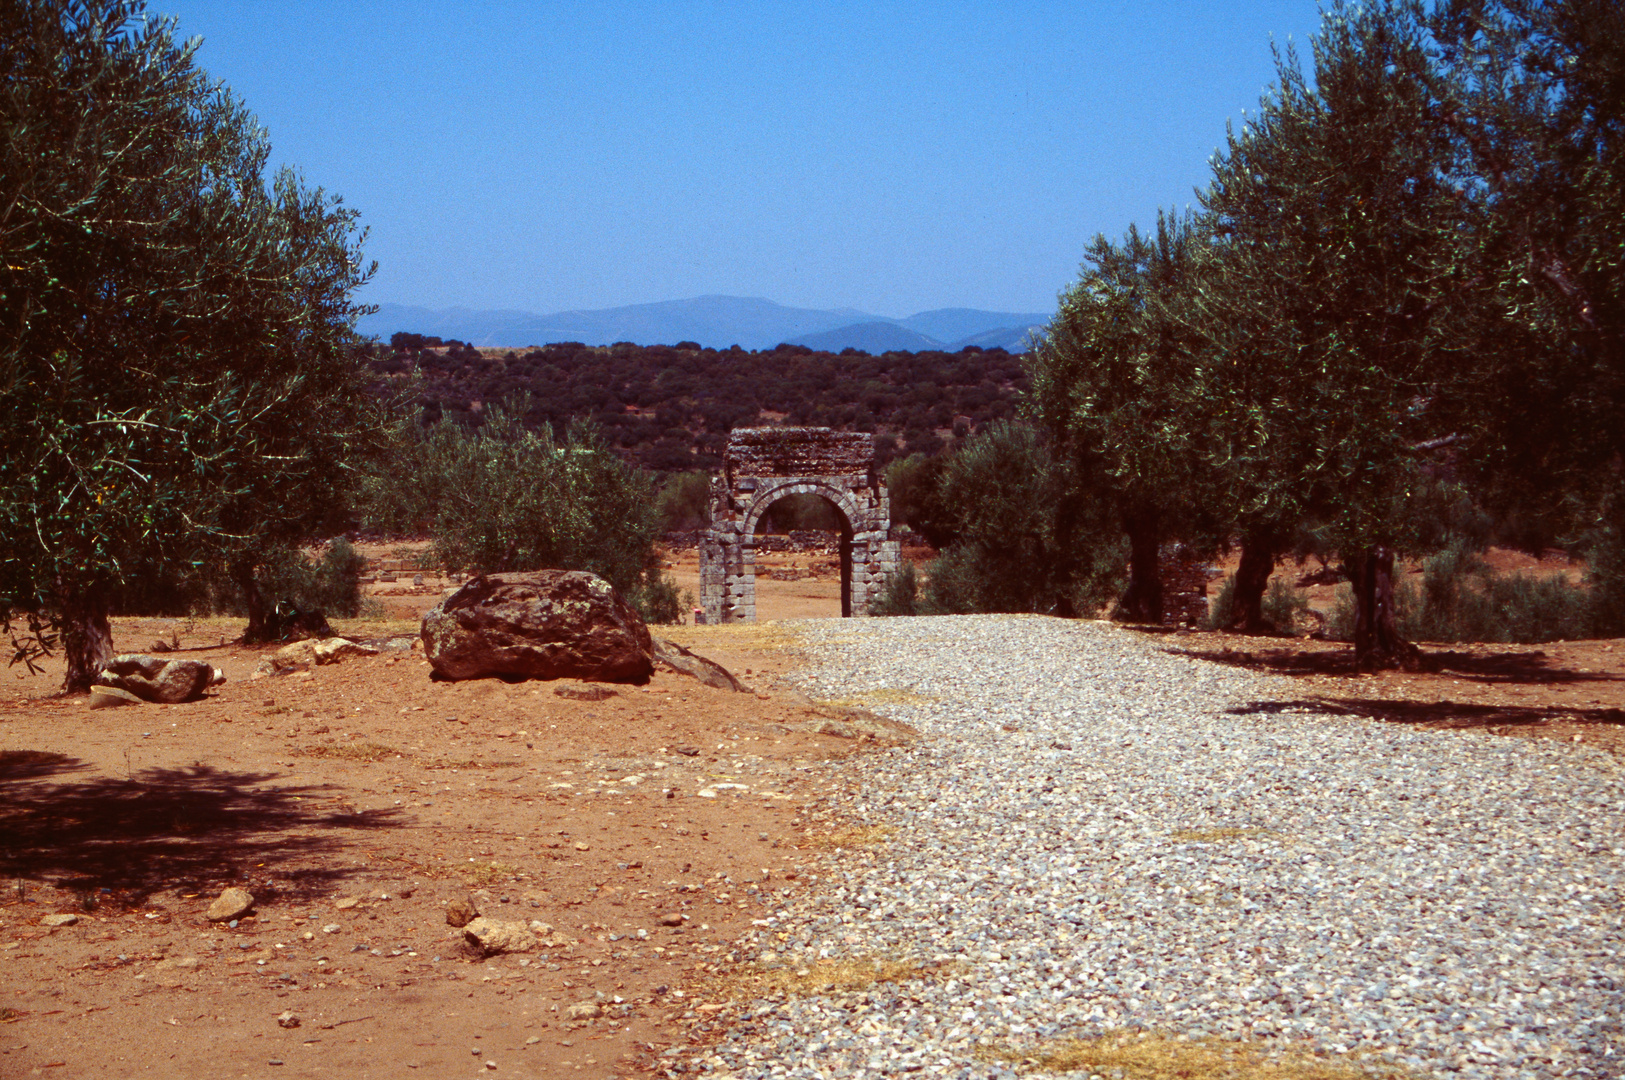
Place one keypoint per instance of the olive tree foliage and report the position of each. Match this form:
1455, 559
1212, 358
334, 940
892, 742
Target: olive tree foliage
1025, 535
1535, 89
1330, 302
505, 497
179, 384
1112, 382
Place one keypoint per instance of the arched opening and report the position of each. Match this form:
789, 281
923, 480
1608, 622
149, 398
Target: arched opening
803, 517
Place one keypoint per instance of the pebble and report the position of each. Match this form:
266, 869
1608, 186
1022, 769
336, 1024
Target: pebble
1097, 834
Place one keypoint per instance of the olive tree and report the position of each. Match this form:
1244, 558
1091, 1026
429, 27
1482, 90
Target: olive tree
180, 384
1330, 300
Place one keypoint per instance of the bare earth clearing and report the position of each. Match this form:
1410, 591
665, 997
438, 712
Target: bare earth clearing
355, 801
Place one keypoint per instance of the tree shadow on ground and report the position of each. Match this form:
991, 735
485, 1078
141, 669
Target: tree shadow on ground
191, 829
1435, 714
1533, 668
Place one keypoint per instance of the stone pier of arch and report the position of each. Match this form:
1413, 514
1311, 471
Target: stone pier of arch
762, 466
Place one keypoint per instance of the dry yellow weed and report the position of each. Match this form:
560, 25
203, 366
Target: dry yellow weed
1159, 1056
821, 977
364, 751
1209, 836
847, 836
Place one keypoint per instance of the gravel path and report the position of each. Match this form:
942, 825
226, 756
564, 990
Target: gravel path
1103, 835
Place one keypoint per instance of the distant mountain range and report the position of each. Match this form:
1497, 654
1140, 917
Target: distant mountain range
716, 322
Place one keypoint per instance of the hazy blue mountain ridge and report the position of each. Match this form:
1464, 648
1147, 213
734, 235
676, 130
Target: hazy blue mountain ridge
713, 321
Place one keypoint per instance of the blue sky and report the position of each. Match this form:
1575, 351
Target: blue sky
887, 157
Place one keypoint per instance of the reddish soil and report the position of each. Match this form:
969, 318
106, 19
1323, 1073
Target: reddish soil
354, 802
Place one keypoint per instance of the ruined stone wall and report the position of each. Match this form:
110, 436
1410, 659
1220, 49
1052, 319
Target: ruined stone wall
764, 465
797, 451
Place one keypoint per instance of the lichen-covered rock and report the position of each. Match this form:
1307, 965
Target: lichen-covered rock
152, 678
547, 624
493, 936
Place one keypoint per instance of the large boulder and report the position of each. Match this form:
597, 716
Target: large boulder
152, 678
546, 624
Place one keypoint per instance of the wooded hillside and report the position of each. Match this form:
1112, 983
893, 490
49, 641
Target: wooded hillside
670, 408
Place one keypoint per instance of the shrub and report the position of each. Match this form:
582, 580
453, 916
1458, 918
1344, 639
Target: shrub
1460, 599
901, 595
658, 600
1606, 579
330, 585
684, 502
506, 498
1028, 536
1282, 606
1218, 609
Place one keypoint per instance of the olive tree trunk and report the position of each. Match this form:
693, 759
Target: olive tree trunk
1377, 642
242, 572
1142, 600
1252, 579
87, 638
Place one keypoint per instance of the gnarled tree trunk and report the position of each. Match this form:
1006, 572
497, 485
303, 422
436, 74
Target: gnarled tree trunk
87, 638
1142, 600
242, 572
1377, 643
1252, 578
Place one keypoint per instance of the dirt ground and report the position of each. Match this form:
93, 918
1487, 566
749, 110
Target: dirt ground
650, 830
354, 802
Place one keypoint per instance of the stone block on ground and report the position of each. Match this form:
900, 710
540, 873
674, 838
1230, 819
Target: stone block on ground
547, 624
670, 655
153, 678
304, 655
111, 697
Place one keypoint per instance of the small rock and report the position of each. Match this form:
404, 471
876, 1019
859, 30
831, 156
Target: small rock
332, 928
674, 919
461, 913
584, 1011
66, 918
287, 1020
493, 936
584, 693
583, 847
230, 904
345, 903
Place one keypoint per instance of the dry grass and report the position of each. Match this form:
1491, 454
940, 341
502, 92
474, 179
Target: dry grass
763, 637
1157, 1056
364, 751
821, 977
1213, 836
847, 836
471, 763
487, 873
885, 695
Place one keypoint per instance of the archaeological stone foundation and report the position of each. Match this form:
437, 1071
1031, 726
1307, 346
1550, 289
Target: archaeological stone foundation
762, 466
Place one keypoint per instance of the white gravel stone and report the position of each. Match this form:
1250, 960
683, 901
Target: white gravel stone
1104, 835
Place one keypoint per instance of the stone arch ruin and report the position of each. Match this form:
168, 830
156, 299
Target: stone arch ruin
762, 466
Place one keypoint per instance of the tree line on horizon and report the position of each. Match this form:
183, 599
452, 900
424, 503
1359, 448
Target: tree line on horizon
669, 408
